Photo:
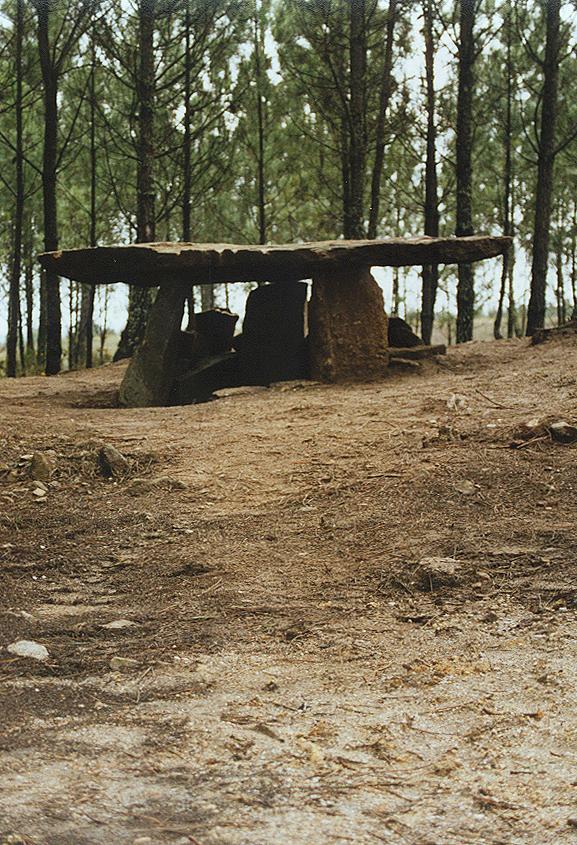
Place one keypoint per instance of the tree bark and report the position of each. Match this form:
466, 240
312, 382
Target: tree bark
86, 329
545, 168
358, 58
385, 96
430, 272
187, 140
140, 299
29, 284
507, 176
53, 356
466, 284
574, 262
14, 292
261, 190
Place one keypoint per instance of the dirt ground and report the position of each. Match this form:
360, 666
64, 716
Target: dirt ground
297, 675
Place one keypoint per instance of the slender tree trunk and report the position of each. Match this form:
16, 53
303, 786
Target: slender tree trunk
29, 284
559, 260
358, 58
140, 299
86, 329
42, 327
560, 289
187, 140
466, 285
385, 96
574, 261
507, 176
261, 188
21, 348
49, 187
430, 271
545, 167
187, 153
346, 179
512, 324
14, 292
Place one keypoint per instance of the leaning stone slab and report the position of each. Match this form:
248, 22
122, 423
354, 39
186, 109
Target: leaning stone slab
148, 379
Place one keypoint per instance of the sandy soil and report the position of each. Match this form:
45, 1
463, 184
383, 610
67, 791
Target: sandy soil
297, 676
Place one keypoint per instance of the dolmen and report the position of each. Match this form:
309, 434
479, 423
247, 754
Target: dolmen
347, 325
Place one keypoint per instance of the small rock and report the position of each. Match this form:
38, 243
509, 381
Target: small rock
563, 432
123, 664
28, 648
141, 486
437, 572
39, 485
118, 624
42, 466
466, 487
457, 402
112, 462
39, 493
528, 431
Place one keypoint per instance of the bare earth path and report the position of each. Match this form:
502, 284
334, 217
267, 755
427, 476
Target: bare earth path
296, 679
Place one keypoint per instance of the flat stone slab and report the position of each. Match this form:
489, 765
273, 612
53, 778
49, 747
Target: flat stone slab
153, 264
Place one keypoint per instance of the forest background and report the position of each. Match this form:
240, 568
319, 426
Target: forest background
257, 121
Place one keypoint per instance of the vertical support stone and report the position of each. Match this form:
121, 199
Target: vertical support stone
347, 326
150, 374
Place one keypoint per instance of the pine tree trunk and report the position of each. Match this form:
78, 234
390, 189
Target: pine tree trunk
187, 154
14, 291
512, 324
430, 271
345, 179
358, 58
560, 289
187, 140
29, 284
140, 299
42, 328
385, 96
86, 330
466, 285
507, 177
574, 262
49, 184
545, 166
261, 202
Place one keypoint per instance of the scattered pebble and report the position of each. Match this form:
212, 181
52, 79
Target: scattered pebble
438, 572
123, 664
112, 462
466, 487
28, 648
42, 466
140, 486
563, 432
117, 624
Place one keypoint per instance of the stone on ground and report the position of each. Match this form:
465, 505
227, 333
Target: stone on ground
28, 648
112, 462
272, 346
348, 327
150, 374
42, 466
